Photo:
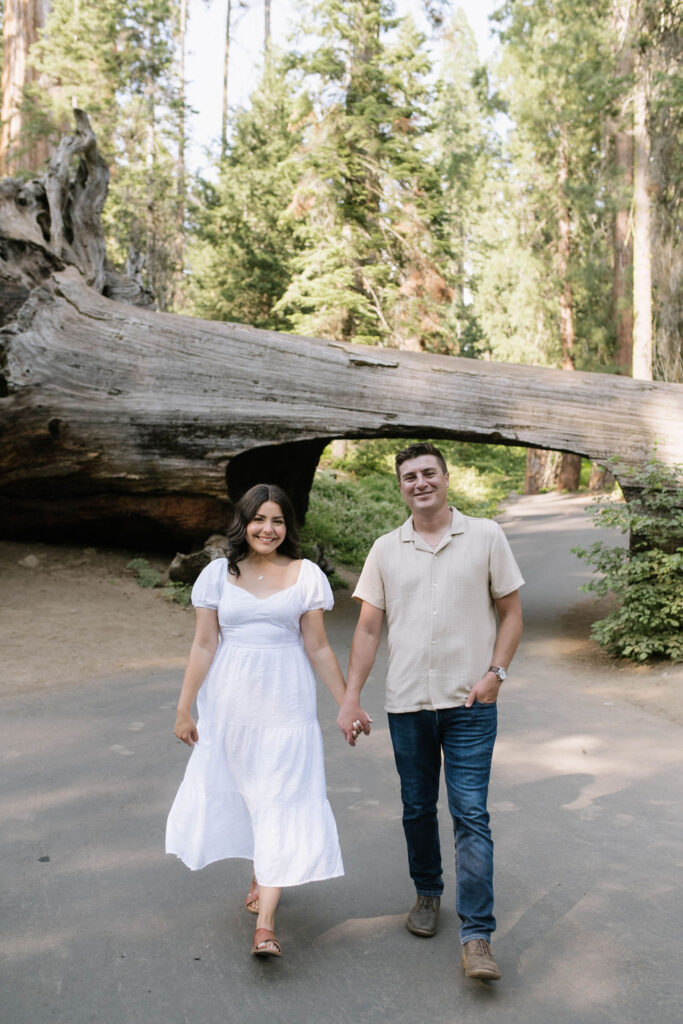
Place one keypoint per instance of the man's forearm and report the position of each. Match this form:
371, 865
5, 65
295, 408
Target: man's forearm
509, 635
362, 658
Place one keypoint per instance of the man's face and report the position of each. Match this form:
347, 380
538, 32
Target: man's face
424, 485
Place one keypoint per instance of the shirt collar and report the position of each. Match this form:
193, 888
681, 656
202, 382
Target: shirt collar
407, 531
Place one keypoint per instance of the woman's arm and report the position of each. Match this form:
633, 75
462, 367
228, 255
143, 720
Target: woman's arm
325, 664
201, 655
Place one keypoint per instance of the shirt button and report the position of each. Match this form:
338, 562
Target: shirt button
433, 613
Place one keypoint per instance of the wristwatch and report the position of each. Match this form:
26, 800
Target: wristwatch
500, 672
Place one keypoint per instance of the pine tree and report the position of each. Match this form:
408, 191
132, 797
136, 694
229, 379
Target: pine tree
241, 251
553, 77
368, 209
466, 148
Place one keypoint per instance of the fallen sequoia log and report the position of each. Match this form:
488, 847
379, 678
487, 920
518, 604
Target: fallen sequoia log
125, 423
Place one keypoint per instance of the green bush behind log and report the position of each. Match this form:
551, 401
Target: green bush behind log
646, 578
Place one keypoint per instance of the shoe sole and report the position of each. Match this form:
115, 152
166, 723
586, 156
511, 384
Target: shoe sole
481, 975
420, 931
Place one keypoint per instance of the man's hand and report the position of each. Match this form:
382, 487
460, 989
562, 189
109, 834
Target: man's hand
485, 690
353, 721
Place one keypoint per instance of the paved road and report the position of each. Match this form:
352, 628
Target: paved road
100, 927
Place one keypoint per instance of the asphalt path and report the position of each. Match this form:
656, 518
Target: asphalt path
99, 926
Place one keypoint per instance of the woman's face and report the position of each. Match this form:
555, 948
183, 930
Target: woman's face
267, 529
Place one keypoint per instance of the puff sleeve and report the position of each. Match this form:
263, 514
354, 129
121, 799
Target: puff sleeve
317, 590
206, 593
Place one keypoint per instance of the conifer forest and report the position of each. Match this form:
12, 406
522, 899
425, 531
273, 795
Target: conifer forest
382, 184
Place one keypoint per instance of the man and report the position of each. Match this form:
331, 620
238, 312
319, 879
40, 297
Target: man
442, 579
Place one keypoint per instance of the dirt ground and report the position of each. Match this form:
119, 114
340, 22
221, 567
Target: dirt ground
72, 614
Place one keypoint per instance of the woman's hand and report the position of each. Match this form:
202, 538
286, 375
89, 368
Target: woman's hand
185, 729
353, 721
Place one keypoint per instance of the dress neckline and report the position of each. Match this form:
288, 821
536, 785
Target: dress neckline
282, 590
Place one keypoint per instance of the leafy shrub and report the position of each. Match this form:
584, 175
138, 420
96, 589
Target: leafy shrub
180, 593
145, 574
647, 577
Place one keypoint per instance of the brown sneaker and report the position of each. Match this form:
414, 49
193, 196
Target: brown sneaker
423, 919
478, 962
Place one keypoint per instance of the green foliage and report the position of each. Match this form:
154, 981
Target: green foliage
356, 498
647, 577
179, 593
346, 515
548, 230
466, 150
241, 253
145, 574
376, 233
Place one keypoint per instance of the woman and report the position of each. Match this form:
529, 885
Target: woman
255, 783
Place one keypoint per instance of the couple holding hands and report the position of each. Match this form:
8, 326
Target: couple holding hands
255, 782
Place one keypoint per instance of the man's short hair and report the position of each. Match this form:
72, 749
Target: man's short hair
413, 451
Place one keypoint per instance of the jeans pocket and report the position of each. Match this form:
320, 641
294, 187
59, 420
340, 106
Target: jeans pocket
486, 703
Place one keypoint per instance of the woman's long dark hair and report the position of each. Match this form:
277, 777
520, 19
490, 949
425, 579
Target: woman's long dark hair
243, 513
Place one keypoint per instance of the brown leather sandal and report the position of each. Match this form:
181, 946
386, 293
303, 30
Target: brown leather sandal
251, 902
265, 943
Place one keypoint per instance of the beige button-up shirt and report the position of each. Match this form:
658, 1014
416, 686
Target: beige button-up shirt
439, 608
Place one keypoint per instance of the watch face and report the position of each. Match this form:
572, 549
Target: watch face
502, 674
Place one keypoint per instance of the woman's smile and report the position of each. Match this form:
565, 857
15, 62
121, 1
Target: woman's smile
267, 529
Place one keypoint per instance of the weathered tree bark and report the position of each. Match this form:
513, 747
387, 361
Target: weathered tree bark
50, 223
622, 132
622, 280
642, 255
564, 252
542, 471
146, 424
22, 22
601, 479
226, 70
181, 177
570, 465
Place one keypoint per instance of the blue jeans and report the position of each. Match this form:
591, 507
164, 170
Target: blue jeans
466, 736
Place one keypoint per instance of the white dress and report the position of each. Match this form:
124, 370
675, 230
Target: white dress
255, 782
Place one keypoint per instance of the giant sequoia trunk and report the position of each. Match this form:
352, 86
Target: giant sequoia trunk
642, 253
122, 423
22, 22
622, 131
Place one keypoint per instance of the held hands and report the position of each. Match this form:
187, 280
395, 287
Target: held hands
185, 729
353, 721
485, 690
